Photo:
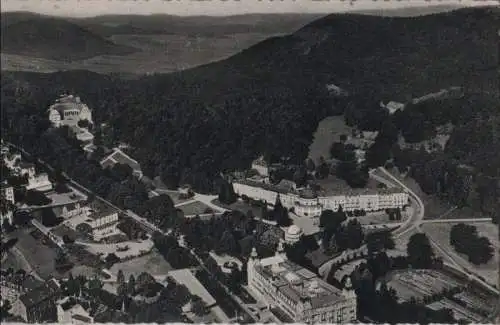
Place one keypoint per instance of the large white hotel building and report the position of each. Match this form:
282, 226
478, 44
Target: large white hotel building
297, 292
306, 203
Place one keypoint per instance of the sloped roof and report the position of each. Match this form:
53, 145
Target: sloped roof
39, 294
119, 157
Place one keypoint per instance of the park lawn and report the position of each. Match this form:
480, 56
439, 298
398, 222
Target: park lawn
152, 263
194, 208
440, 232
328, 131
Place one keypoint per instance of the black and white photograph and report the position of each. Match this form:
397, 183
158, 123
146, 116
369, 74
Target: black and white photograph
250, 161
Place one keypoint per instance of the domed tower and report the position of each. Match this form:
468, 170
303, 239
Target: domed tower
253, 260
350, 295
348, 290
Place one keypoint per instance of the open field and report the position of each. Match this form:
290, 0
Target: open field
194, 208
440, 233
163, 53
329, 131
153, 263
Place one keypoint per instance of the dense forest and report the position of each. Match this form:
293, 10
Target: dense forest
189, 126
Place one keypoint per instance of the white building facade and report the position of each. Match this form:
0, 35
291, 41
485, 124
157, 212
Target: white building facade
69, 110
313, 206
8, 193
39, 182
297, 292
103, 222
75, 210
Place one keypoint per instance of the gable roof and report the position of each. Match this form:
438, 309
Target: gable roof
119, 157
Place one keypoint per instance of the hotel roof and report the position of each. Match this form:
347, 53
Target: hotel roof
298, 283
330, 189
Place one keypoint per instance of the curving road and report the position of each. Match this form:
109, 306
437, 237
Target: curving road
417, 220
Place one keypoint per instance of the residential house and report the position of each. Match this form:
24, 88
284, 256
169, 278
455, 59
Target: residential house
39, 304
70, 312
39, 182
117, 156
101, 221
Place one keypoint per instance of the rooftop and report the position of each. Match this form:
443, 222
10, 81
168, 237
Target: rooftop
100, 209
65, 103
298, 283
327, 188
39, 294
119, 157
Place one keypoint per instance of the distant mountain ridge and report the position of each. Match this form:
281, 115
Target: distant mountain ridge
55, 39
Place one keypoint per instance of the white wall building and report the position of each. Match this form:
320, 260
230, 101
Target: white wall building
39, 182
69, 110
305, 204
7, 208
101, 221
8, 193
75, 210
298, 292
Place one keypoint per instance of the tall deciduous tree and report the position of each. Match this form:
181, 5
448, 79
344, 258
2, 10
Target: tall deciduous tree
419, 250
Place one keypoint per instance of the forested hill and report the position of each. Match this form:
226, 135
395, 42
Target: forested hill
55, 39
269, 99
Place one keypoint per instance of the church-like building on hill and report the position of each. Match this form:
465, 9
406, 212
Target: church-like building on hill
69, 110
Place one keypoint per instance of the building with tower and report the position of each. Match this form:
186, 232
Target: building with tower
297, 292
307, 203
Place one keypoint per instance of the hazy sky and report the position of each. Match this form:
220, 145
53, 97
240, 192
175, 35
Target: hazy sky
82, 8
